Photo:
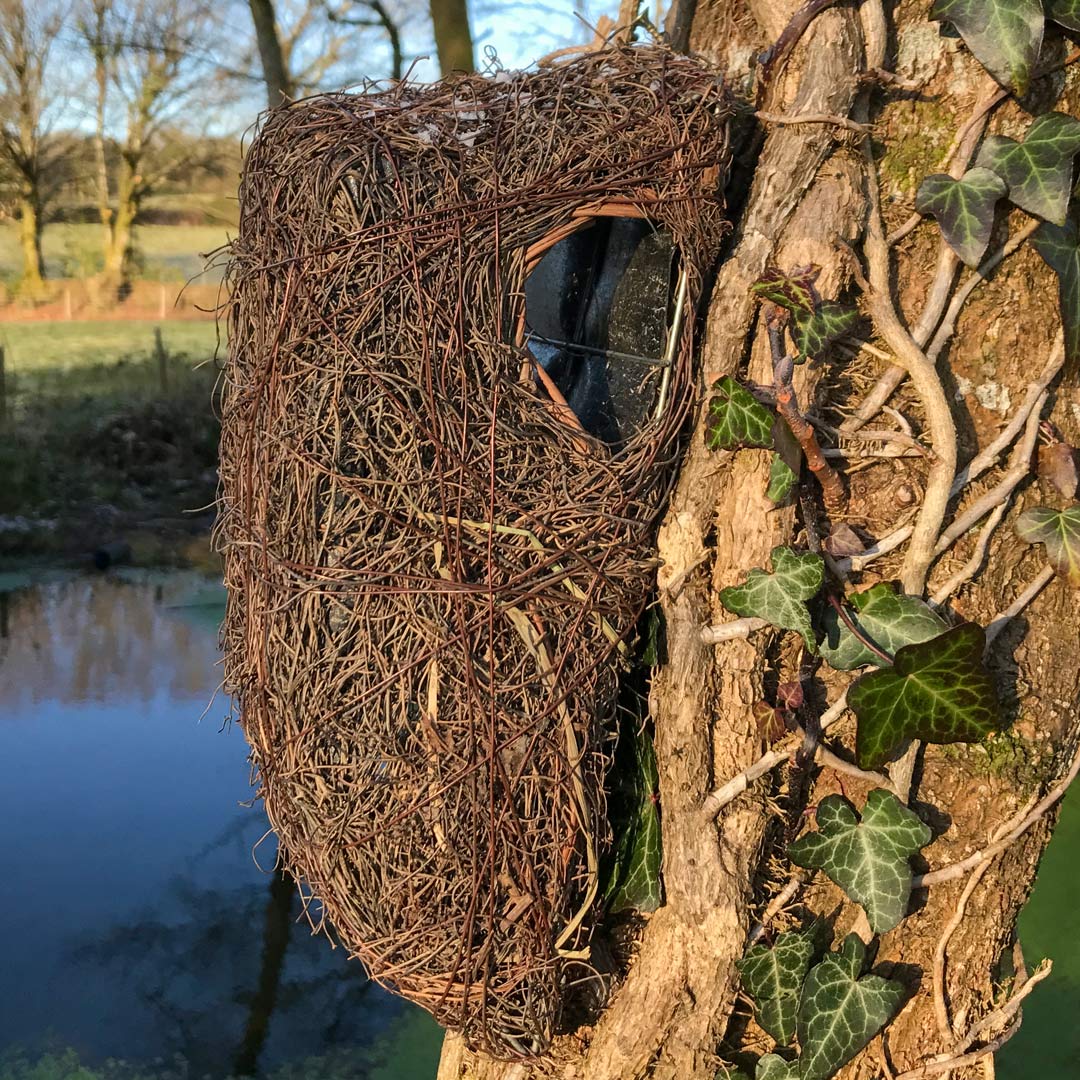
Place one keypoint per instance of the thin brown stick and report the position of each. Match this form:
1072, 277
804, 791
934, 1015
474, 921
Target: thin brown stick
1017, 826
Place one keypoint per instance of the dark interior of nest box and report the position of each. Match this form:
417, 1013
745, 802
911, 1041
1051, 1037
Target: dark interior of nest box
597, 308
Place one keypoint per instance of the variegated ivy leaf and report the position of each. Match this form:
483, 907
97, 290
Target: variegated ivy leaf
964, 209
736, 418
1039, 170
780, 597
794, 291
1064, 12
774, 1067
889, 619
785, 463
1005, 35
841, 1012
1059, 245
1059, 532
938, 691
814, 331
782, 479
773, 977
869, 859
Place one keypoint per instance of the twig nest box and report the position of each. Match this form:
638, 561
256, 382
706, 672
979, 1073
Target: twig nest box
433, 565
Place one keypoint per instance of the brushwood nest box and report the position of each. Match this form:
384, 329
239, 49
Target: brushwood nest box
461, 343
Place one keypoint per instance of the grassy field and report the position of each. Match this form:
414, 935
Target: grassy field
96, 424
41, 348
164, 252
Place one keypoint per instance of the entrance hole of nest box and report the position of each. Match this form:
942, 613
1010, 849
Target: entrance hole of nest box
597, 312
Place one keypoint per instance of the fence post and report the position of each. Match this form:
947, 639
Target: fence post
3, 390
162, 360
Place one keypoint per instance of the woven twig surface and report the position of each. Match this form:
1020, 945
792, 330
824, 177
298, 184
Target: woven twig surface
431, 571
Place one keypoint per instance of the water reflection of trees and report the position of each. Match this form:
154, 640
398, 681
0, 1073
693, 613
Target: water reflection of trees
235, 980
107, 638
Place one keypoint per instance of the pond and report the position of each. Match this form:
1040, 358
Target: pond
145, 933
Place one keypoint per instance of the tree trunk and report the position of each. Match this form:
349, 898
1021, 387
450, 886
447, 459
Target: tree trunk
116, 271
670, 1016
32, 284
279, 87
453, 39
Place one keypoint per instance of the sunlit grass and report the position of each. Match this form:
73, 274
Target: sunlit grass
37, 347
164, 252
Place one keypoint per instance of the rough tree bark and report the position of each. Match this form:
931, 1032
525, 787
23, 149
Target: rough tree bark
669, 1017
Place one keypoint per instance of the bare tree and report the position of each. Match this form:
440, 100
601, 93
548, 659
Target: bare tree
27, 36
303, 45
279, 85
151, 63
453, 38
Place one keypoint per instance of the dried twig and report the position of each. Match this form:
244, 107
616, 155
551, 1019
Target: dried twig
959, 1056
999, 622
731, 631
814, 118
1014, 829
1019, 470
718, 799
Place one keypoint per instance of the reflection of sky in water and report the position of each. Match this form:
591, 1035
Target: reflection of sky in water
136, 921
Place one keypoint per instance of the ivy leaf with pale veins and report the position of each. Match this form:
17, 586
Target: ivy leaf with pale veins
814, 331
1005, 35
774, 1067
1064, 12
794, 291
937, 691
840, 1012
964, 209
888, 618
1060, 247
1059, 532
773, 978
736, 418
1039, 170
780, 597
868, 859
635, 880
782, 479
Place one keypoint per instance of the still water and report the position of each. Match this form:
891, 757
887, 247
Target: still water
145, 935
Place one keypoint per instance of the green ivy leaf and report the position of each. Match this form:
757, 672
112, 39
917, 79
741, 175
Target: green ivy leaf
782, 479
773, 978
814, 331
1064, 12
1039, 170
964, 209
840, 1012
938, 691
635, 880
1005, 35
869, 860
889, 619
1060, 247
774, 1067
1059, 532
794, 291
736, 418
780, 597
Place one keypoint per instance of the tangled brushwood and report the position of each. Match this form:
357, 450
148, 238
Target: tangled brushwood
433, 571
